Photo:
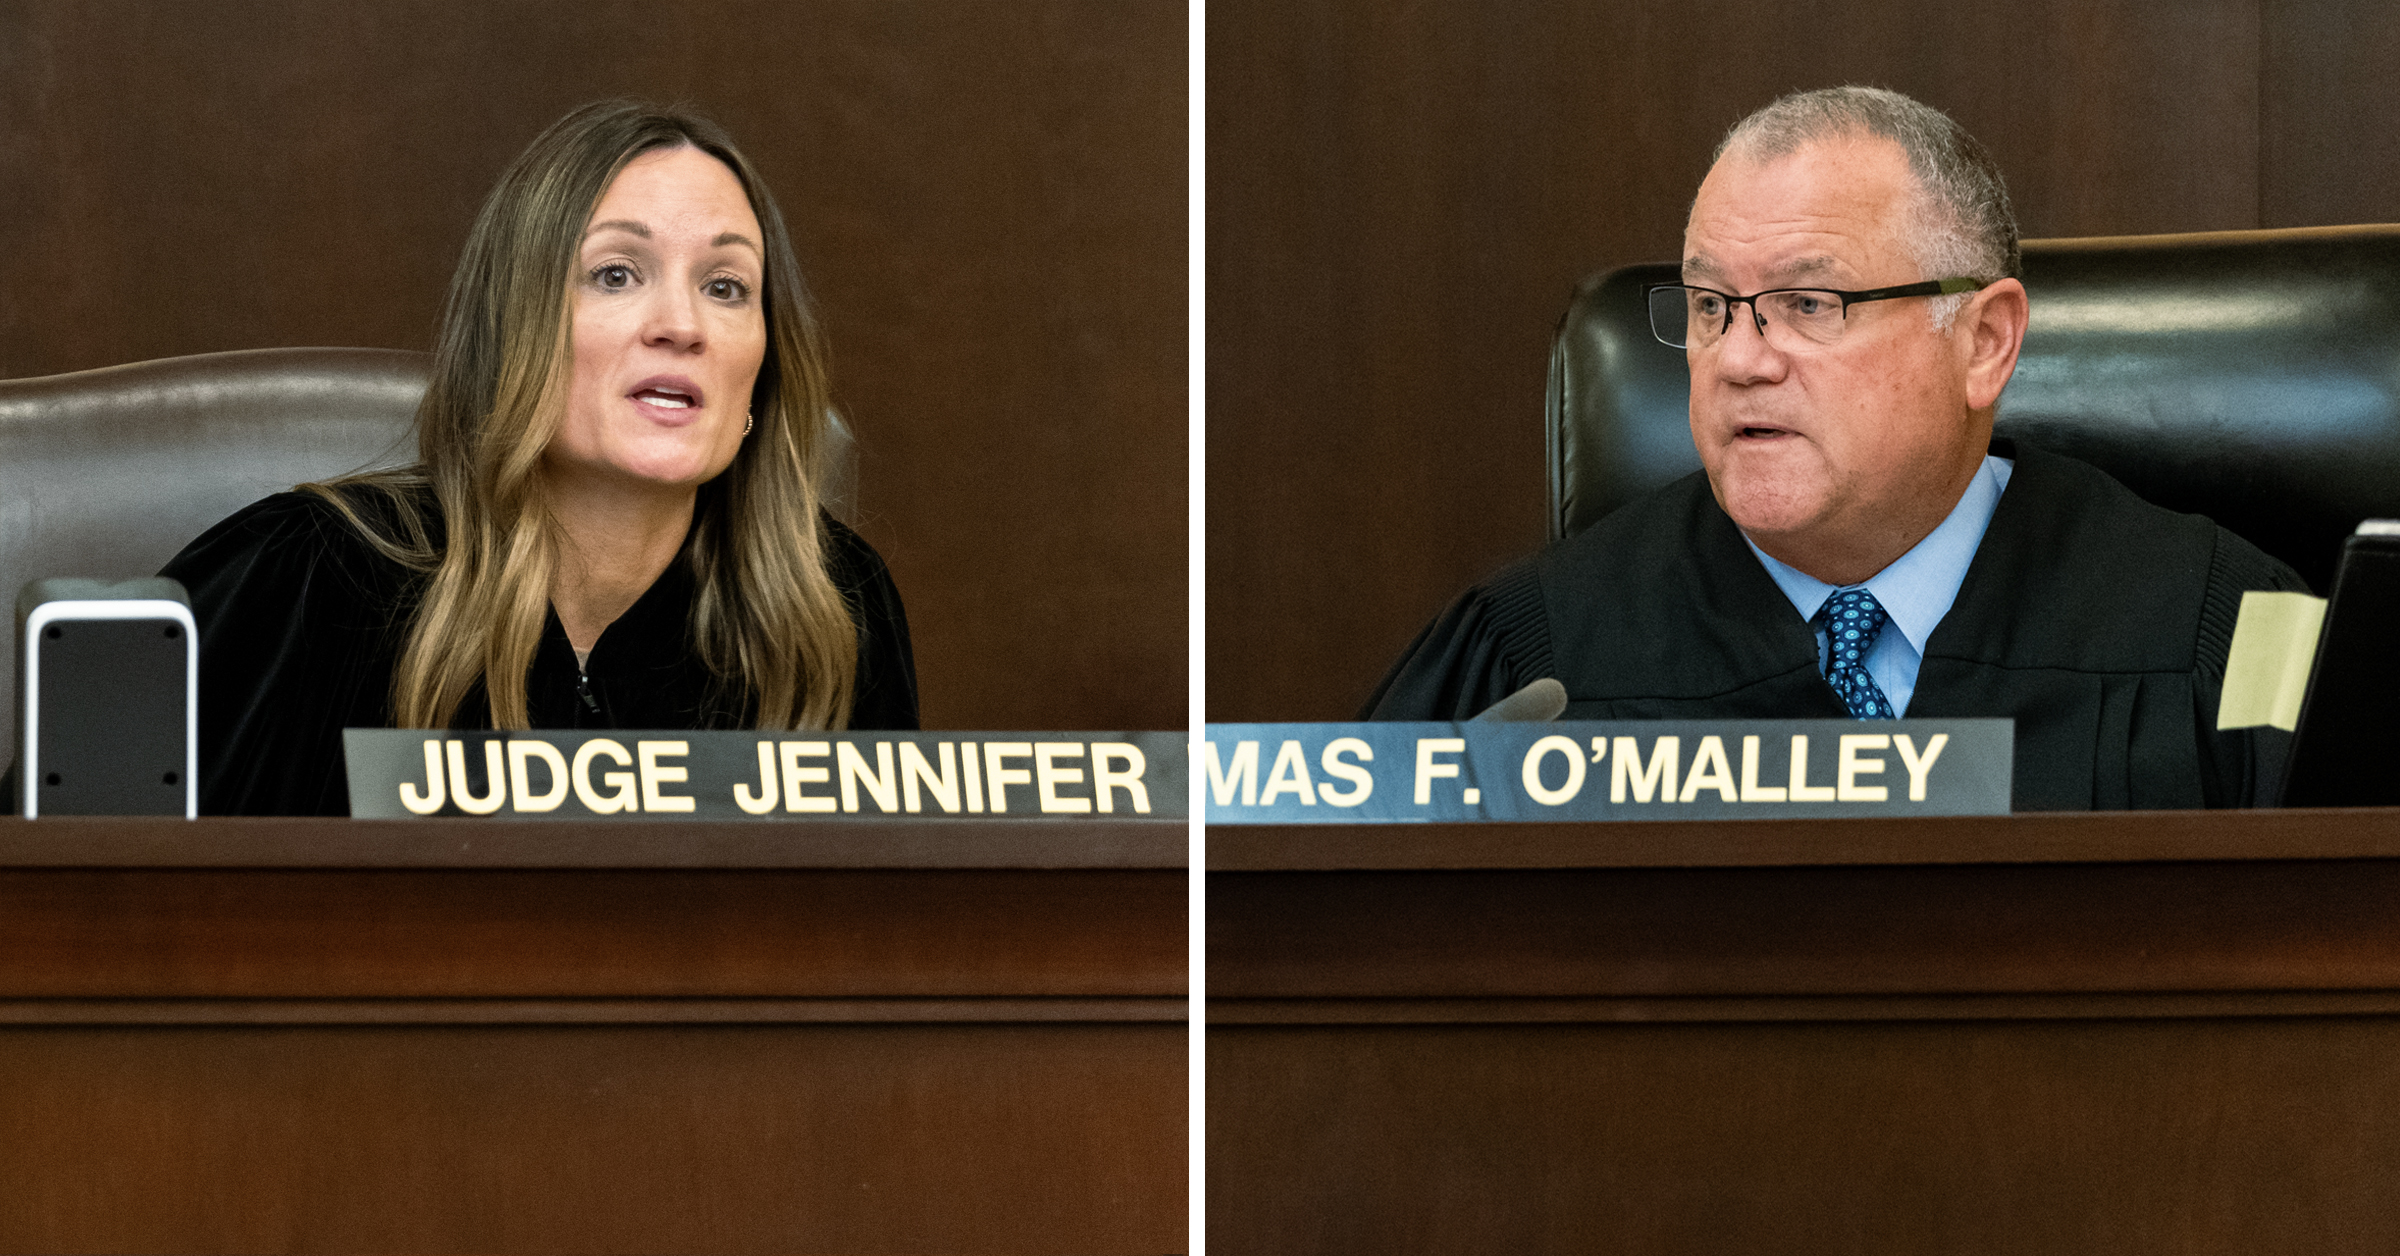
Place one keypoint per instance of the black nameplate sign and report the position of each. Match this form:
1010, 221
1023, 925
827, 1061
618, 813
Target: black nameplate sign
622, 774
1605, 770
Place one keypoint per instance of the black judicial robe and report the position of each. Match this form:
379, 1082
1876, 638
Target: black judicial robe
2100, 622
301, 625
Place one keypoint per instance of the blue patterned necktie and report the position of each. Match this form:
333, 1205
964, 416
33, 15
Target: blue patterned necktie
1852, 618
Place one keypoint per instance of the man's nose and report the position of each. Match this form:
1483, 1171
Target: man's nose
1744, 353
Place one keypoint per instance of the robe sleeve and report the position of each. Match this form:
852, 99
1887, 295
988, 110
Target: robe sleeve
2240, 767
296, 644
1479, 651
885, 691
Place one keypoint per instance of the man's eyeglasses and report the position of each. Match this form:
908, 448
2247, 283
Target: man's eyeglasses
1685, 316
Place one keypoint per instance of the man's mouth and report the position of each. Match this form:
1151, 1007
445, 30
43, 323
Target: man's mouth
1762, 433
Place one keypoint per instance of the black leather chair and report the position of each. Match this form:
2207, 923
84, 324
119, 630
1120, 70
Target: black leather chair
2250, 376
107, 473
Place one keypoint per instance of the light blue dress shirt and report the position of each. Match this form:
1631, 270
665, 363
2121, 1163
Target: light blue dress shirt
1916, 590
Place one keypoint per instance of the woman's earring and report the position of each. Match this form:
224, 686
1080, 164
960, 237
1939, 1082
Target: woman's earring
747, 422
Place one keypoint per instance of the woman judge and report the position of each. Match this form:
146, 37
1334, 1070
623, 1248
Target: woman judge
614, 522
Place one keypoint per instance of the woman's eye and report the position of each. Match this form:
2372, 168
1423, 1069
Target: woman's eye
613, 276
727, 289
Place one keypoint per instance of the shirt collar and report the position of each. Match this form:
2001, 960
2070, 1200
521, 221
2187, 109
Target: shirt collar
1916, 590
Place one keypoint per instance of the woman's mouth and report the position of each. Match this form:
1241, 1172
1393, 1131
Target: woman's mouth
667, 394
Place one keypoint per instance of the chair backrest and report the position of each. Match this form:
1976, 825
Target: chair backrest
108, 473
2250, 376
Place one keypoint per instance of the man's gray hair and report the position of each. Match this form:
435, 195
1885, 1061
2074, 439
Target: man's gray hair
1964, 226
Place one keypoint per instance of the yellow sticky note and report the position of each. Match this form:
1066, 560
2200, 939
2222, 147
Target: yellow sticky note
2266, 670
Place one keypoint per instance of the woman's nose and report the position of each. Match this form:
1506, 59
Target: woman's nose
672, 319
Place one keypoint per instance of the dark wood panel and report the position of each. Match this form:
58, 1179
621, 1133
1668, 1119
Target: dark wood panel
234, 933
890, 1139
311, 842
1666, 932
682, 1010
2165, 1136
2329, 128
497, 1054
989, 202
2027, 837
1686, 1009
1401, 199
2186, 1051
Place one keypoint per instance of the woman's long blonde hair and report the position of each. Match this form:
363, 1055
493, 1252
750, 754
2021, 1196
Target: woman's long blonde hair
766, 618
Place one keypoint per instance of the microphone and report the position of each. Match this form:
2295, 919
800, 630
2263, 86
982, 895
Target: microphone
1536, 703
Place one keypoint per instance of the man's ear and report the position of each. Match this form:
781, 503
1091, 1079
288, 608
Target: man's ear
1991, 328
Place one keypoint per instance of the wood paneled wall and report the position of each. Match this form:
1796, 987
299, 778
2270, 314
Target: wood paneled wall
1401, 199
988, 199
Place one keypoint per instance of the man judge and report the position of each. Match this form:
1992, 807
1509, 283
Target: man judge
1858, 544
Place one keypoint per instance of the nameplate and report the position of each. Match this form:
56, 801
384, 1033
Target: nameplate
631, 775
1605, 770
